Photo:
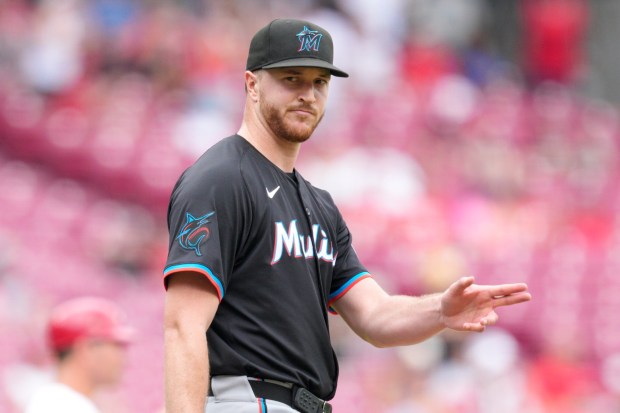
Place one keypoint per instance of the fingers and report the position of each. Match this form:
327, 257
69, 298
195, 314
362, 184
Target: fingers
480, 326
474, 327
459, 286
507, 289
494, 290
512, 299
490, 320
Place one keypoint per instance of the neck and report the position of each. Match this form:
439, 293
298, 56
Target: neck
280, 152
75, 378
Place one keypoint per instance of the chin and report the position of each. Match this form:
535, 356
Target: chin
300, 135
289, 128
296, 133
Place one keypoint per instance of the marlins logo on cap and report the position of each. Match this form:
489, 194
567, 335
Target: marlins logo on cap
289, 43
309, 39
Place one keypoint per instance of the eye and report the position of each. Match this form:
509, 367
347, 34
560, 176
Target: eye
322, 82
292, 79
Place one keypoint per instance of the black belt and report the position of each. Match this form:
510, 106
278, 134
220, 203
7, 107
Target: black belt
295, 397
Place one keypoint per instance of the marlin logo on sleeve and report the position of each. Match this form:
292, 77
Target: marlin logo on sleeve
310, 40
194, 232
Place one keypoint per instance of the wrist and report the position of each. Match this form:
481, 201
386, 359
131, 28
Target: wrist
435, 310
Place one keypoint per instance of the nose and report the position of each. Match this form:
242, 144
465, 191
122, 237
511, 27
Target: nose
307, 93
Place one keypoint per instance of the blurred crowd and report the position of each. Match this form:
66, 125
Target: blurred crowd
446, 156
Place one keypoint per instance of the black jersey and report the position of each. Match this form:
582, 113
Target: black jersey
278, 253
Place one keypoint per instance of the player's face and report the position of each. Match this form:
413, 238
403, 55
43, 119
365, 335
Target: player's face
108, 361
292, 100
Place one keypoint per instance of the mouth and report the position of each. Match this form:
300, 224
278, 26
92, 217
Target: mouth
304, 111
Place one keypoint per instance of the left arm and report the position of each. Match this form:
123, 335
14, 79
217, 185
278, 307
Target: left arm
384, 320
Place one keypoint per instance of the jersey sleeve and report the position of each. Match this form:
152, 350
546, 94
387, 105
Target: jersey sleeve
206, 221
348, 269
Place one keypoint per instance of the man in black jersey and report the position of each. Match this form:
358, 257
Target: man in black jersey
258, 256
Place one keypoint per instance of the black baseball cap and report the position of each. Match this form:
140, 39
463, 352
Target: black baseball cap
288, 43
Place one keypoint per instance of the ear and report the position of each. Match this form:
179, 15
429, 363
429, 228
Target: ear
252, 85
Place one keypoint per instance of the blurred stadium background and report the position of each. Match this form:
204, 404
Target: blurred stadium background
473, 137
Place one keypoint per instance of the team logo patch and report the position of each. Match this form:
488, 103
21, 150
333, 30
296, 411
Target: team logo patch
194, 232
309, 40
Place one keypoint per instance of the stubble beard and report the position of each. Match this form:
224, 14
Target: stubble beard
278, 124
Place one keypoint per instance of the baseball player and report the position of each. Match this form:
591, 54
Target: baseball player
258, 256
88, 337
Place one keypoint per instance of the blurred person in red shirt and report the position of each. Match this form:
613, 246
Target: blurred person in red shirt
554, 31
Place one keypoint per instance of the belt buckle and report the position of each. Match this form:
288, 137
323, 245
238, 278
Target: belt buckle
309, 403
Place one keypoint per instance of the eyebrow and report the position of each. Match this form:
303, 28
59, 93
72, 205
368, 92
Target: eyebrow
325, 74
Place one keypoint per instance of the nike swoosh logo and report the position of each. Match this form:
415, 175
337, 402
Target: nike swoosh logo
271, 194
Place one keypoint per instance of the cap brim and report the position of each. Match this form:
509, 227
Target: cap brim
123, 335
308, 62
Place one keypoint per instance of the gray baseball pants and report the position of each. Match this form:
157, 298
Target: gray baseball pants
233, 394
